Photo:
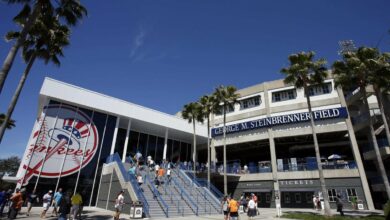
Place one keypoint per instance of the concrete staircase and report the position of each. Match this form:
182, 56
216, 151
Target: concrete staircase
180, 197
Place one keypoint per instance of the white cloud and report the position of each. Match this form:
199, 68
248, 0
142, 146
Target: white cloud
137, 43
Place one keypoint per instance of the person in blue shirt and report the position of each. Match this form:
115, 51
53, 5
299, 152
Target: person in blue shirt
56, 201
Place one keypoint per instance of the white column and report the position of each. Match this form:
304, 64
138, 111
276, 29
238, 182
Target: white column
126, 141
115, 134
165, 144
356, 153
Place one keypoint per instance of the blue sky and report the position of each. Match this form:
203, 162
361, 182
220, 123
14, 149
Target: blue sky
164, 54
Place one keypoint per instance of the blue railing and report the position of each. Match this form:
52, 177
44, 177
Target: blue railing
216, 192
129, 178
168, 191
185, 196
157, 195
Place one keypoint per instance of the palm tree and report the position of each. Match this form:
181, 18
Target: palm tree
69, 10
302, 73
10, 124
45, 41
208, 106
226, 96
379, 78
356, 69
193, 113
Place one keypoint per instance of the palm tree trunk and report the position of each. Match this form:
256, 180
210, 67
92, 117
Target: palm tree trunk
225, 191
381, 167
194, 153
380, 103
16, 95
14, 49
318, 157
208, 152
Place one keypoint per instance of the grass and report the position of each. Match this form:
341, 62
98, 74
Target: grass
313, 216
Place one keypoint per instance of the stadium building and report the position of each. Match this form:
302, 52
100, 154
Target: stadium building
270, 149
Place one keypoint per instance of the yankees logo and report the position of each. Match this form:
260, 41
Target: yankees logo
62, 149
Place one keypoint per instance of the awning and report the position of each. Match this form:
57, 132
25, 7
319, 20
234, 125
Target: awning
257, 190
299, 190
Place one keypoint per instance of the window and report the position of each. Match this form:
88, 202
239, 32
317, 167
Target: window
298, 198
320, 89
287, 197
351, 193
230, 108
309, 197
284, 95
250, 102
268, 197
332, 195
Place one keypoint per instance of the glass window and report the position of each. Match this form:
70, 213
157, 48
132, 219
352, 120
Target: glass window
176, 151
143, 138
284, 95
152, 142
287, 198
351, 193
169, 149
132, 145
321, 89
159, 149
120, 141
183, 151
332, 195
250, 102
229, 108
268, 197
298, 198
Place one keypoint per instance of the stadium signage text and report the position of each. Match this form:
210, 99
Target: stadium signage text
281, 120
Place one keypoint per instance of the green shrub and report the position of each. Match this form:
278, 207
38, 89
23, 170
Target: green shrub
387, 208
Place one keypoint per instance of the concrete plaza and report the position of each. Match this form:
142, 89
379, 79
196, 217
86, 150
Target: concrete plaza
101, 214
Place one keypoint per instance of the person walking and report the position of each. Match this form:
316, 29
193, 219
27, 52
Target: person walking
225, 207
119, 202
169, 176
17, 202
315, 202
65, 206
140, 181
76, 201
46, 203
252, 210
31, 200
339, 204
56, 201
233, 209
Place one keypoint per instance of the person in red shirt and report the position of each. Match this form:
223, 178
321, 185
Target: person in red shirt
17, 202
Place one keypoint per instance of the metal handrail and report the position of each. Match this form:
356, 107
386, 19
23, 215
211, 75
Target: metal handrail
216, 192
182, 192
129, 178
157, 195
171, 194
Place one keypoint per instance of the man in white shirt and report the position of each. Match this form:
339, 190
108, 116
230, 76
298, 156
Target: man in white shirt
169, 175
252, 208
46, 203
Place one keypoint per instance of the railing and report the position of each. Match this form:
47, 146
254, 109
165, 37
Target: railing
185, 196
157, 195
313, 166
129, 178
216, 192
168, 191
200, 185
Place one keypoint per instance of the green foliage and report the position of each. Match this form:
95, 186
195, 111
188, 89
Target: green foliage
8, 166
226, 95
192, 112
314, 216
304, 71
386, 209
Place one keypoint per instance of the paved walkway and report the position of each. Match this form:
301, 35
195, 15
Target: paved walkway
101, 214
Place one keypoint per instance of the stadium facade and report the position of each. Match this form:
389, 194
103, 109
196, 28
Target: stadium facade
269, 142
